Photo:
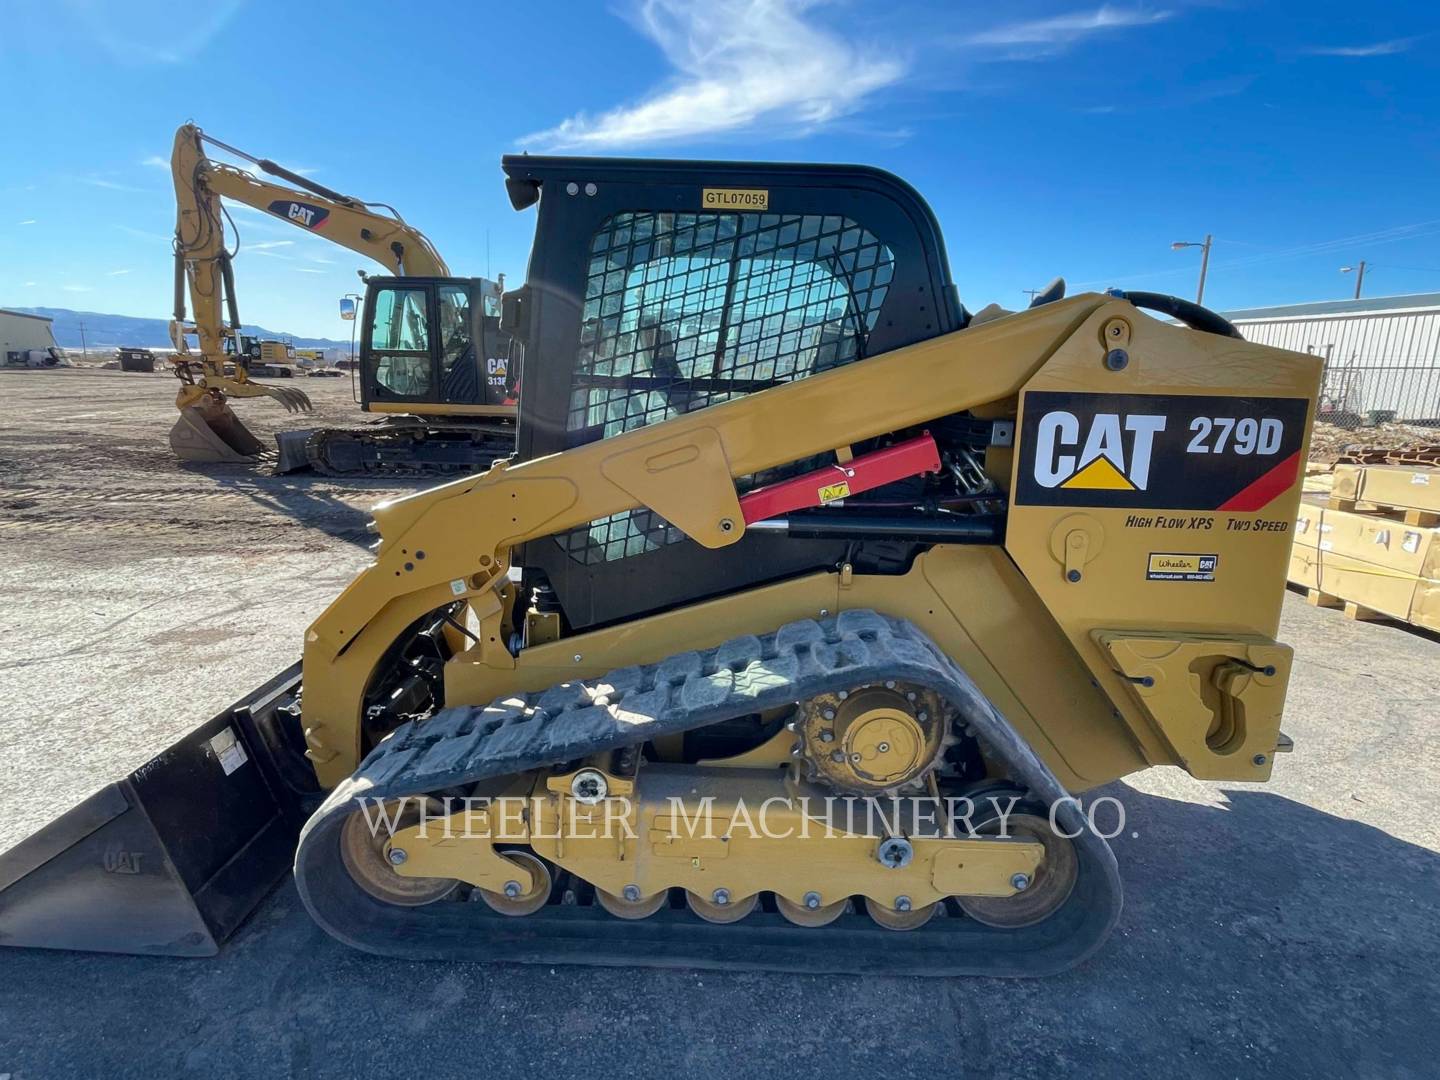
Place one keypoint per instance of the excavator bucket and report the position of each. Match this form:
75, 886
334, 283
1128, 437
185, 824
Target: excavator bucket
207, 434
171, 859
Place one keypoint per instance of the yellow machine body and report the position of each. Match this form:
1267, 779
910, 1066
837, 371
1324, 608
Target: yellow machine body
1060, 657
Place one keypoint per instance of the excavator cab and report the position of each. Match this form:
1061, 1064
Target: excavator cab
433, 345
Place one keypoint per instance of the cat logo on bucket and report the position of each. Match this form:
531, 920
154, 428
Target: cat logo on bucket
1113, 454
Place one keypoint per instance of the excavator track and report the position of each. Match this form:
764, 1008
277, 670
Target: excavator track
408, 449
461, 745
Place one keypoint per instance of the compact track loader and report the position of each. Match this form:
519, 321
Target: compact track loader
805, 614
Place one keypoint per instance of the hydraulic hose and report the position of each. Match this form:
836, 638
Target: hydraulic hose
1192, 315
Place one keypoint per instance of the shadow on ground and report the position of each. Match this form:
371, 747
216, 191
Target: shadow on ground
311, 500
1258, 936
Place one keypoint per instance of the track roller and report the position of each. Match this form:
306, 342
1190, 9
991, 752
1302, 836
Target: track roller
900, 917
722, 907
515, 902
811, 912
624, 908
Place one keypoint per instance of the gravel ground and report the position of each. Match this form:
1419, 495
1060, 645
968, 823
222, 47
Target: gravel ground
126, 570
1291, 928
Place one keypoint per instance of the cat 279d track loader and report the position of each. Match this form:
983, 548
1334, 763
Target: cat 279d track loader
805, 609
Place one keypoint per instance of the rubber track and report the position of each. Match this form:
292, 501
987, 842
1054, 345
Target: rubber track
628, 706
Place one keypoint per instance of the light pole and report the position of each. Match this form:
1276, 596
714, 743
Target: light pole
1359, 270
1204, 261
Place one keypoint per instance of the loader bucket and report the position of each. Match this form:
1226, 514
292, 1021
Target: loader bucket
171, 859
207, 434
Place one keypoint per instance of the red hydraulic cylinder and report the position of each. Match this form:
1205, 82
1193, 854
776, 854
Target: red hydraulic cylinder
843, 479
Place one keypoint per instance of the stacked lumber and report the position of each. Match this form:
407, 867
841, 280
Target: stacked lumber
1373, 546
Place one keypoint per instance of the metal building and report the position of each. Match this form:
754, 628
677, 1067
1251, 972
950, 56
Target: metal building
20, 334
1382, 354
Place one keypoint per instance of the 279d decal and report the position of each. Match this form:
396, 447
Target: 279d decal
1158, 451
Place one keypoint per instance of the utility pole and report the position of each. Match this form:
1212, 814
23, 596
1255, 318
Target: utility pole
1359, 271
83, 351
1204, 247
1032, 293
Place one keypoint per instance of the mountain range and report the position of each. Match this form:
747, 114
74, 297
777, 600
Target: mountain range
103, 331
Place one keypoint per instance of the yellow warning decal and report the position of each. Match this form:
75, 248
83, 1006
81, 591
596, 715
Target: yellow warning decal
735, 198
1100, 474
834, 492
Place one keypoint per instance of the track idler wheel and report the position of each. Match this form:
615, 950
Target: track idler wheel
362, 850
721, 907
1054, 877
811, 912
512, 901
642, 907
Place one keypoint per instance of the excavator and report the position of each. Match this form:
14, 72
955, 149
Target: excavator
793, 636
446, 401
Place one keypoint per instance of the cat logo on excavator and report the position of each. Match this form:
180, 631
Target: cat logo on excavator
305, 215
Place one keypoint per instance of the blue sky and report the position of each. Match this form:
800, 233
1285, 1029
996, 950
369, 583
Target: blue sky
1068, 138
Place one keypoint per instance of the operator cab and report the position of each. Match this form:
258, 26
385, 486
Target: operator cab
434, 345
658, 288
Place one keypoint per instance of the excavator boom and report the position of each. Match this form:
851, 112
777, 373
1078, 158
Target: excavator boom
208, 429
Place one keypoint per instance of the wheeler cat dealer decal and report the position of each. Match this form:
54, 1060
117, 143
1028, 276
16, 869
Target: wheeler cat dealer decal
1177, 566
1160, 451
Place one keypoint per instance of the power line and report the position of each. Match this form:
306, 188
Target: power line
1381, 236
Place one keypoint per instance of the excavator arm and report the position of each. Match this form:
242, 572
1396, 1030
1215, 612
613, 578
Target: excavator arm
208, 429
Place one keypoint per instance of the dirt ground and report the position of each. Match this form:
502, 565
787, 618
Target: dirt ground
1288, 929
140, 591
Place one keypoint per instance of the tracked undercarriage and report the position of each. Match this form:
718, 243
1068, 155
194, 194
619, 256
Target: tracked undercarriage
399, 446
549, 822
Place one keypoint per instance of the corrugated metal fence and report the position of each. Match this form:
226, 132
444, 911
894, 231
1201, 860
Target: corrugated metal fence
1380, 366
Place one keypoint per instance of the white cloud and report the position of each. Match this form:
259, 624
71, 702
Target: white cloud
268, 244
147, 32
1380, 48
738, 65
31, 284
27, 221
155, 161
144, 234
109, 185
306, 270
119, 273
1058, 31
